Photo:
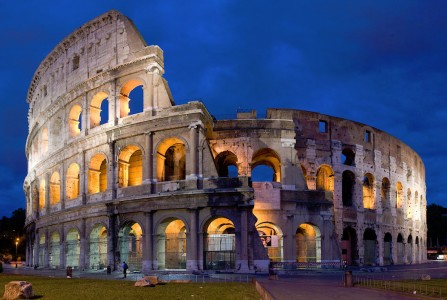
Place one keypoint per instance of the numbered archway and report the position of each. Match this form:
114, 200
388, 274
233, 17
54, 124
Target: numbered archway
130, 241
349, 246
55, 250
308, 243
42, 251
369, 246
72, 248
272, 240
220, 244
400, 249
171, 245
387, 249
98, 247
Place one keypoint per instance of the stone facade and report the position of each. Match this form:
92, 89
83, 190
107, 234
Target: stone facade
164, 186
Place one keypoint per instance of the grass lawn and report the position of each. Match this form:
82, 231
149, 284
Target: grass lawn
432, 288
85, 289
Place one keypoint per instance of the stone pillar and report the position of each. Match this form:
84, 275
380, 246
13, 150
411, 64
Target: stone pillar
47, 194
112, 170
36, 250
380, 248
148, 93
193, 168
83, 176
62, 246
192, 255
113, 255
148, 171
113, 103
148, 254
289, 241
242, 258
63, 183
83, 249
85, 115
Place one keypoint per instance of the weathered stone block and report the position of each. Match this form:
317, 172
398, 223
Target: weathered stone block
18, 290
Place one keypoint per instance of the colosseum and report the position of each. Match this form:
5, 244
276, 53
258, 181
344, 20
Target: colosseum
118, 172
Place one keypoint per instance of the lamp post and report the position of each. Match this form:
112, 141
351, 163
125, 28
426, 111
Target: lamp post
17, 243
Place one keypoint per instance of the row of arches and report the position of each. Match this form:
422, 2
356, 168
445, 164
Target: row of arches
98, 114
393, 251
171, 244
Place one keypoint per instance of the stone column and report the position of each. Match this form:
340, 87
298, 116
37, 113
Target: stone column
193, 167
63, 183
62, 246
83, 249
192, 255
36, 250
242, 260
148, 170
148, 256
112, 170
47, 246
47, 194
289, 240
83, 176
85, 115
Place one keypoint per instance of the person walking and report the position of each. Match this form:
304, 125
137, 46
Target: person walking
125, 267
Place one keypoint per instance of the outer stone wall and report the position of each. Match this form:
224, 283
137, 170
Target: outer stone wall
170, 187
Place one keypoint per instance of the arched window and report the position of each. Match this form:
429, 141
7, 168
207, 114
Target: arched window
226, 162
368, 191
399, 195
385, 193
72, 182
130, 171
44, 140
42, 194
348, 183
271, 170
97, 174
74, 120
131, 103
348, 157
99, 112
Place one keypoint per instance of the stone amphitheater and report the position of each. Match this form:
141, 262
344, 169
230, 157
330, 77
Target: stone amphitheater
118, 172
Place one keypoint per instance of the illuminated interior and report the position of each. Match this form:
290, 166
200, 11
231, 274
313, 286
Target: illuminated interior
399, 195
44, 140
55, 250
97, 174
72, 182
131, 245
272, 239
220, 248
368, 192
130, 163
325, 178
308, 243
171, 160
42, 194
98, 247
171, 245
55, 188
42, 250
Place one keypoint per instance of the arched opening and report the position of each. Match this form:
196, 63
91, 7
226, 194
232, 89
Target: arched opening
171, 160
55, 188
409, 249
409, 205
220, 245
417, 252
272, 239
131, 98
348, 183
55, 250
348, 157
98, 247
271, 166
226, 162
42, 251
130, 239
44, 140
325, 178
400, 249
385, 193
369, 244
73, 248
349, 246
99, 110
97, 174
171, 245
308, 243
387, 249
74, 120
73, 183
42, 194
399, 195
130, 172
368, 192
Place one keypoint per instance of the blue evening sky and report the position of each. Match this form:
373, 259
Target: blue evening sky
383, 63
